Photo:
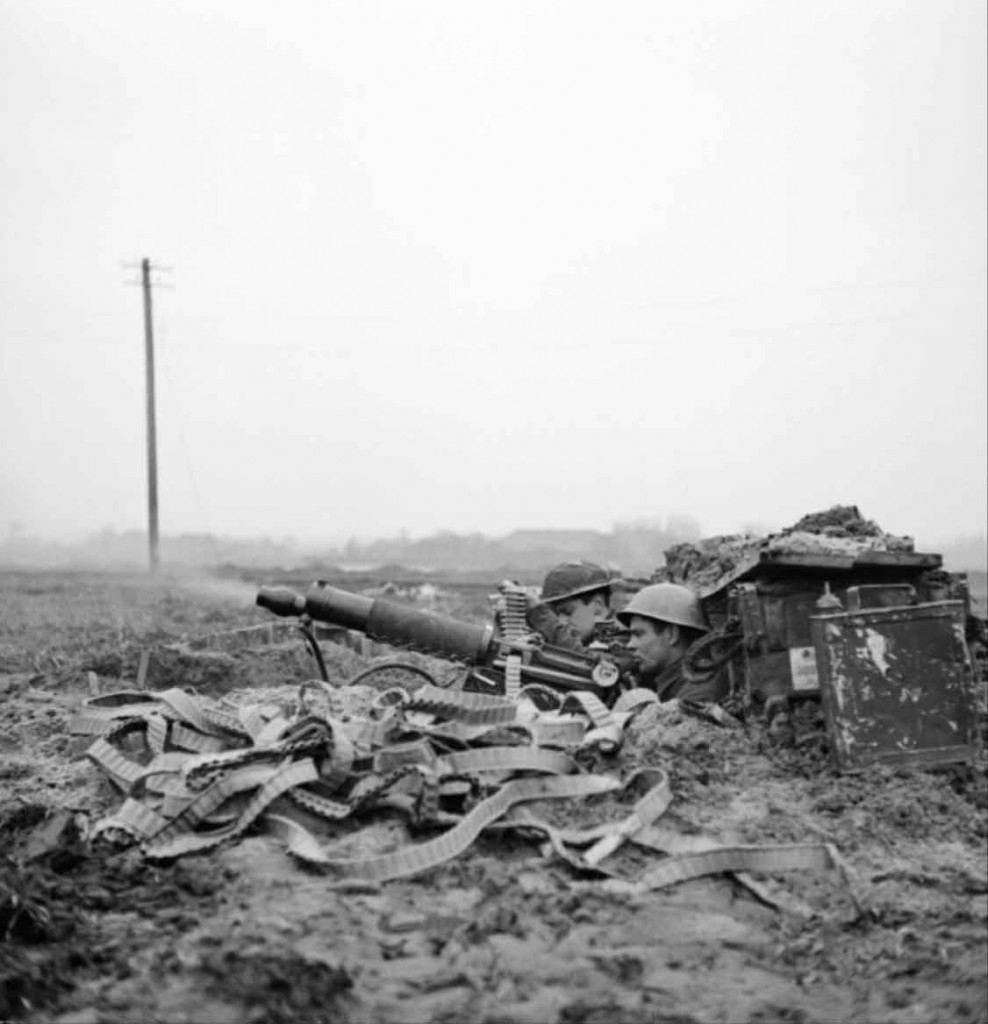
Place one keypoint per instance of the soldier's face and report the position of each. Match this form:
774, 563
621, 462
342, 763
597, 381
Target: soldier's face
651, 643
581, 615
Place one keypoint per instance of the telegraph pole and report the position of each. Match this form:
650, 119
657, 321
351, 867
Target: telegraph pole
152, 440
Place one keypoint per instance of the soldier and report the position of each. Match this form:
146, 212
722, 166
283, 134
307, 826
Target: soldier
575, 610
664, 620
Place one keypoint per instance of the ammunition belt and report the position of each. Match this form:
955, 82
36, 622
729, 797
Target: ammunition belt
204, 774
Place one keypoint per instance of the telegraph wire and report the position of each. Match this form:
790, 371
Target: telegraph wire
383, 347
376, 347
369, 348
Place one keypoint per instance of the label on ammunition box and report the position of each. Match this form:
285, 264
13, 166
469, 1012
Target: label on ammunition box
802, 668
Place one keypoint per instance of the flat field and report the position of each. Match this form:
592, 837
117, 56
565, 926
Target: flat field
92, 931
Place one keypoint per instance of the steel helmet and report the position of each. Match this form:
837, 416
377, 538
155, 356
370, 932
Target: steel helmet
573, 578
666, 602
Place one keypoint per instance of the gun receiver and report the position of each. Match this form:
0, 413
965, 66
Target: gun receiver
478, 646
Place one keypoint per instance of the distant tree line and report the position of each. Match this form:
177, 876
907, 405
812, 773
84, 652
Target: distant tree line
634, 547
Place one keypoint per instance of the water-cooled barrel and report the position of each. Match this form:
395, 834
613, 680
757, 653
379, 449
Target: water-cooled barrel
339, 607
386, 621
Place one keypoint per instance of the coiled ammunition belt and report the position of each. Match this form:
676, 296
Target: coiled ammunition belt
204, 773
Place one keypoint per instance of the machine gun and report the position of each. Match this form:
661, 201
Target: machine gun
500, 661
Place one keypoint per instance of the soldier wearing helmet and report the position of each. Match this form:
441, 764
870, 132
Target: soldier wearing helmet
664, 620
575, 610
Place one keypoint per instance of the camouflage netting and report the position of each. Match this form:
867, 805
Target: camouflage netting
839, 521
703, 564
713, 562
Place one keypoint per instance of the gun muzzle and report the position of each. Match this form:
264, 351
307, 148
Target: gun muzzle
281, 600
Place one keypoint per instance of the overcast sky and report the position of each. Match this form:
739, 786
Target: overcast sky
485, 265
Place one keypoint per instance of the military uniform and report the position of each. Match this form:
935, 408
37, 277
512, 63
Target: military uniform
572, 579
558, 632
671, 684
673, 605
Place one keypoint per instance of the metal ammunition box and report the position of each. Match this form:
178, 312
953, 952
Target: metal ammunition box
897, 684
774, 598
889, 662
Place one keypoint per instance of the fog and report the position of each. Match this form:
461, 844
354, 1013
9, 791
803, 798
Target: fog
482, 267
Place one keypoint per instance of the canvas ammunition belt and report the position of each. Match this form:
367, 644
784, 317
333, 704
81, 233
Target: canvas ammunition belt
196, 774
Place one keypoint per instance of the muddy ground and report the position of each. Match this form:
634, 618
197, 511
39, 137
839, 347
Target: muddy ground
500, 934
